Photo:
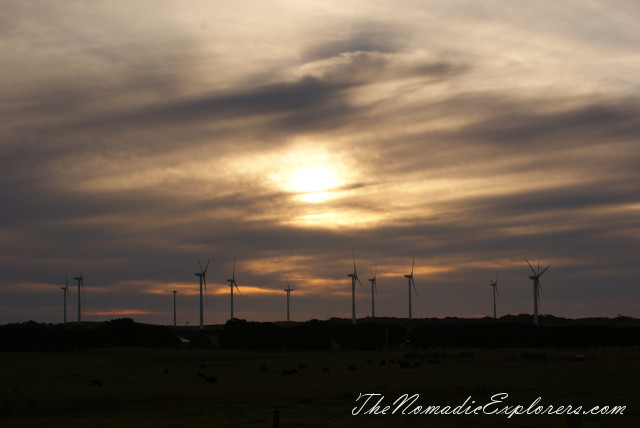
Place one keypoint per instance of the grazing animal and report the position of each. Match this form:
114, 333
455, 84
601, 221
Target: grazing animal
352, 368
325, 370
293, 371
96, 382
369, 361
166, 371
383, 363
417, 365
578, 358
302, 366
201, 375
264, 369
210, 379
405, 365
286, 373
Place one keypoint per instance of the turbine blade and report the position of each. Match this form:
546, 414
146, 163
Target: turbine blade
414, 286
532, 270
204, 280
234, 268
412, 265
354, 263
199, 264
545, 269
206, 267
238, 290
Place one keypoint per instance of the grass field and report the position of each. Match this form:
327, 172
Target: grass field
161, 387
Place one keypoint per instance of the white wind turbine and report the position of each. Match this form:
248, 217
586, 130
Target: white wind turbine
288, 290
203, 280
233, 282
536, 288
80, 286
354, 278
494, 284
411, 281
65, 292
374, 290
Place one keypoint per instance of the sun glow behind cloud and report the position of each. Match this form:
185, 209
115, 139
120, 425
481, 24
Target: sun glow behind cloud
313, 182
308, 173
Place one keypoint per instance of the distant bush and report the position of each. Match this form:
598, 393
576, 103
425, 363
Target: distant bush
32, 336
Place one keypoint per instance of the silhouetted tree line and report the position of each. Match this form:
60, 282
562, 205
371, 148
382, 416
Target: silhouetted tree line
379, 333
33, 336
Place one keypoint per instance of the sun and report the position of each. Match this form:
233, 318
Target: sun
313, 182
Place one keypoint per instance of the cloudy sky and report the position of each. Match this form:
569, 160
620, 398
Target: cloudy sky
137, 137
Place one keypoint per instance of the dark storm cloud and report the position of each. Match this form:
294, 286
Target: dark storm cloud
310, 102
592, 121
364, 37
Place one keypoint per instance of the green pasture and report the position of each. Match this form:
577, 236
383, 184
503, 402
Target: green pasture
161, 387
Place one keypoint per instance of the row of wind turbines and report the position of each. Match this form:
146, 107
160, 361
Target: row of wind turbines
202, 275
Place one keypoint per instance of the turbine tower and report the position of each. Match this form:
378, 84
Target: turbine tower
203, 280
80, 286
354, 278
288, 290
65, 292
174, 307
374, 288
536, 288
233, 282
494, 284
411, 281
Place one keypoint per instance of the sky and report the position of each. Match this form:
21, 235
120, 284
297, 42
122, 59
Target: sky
138, 137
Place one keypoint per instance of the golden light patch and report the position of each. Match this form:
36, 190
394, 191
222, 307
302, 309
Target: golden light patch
152, 287
119, 312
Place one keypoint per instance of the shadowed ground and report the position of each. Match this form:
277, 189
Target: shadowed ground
166, 387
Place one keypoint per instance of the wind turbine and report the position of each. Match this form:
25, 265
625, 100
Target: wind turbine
288, 290
174, 307
80, 286
374, 288
494, 284
411, 281
203, 280
354, 278
536, 288
233, 282
65, 292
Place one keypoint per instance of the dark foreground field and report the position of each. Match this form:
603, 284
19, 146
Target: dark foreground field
140, 387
